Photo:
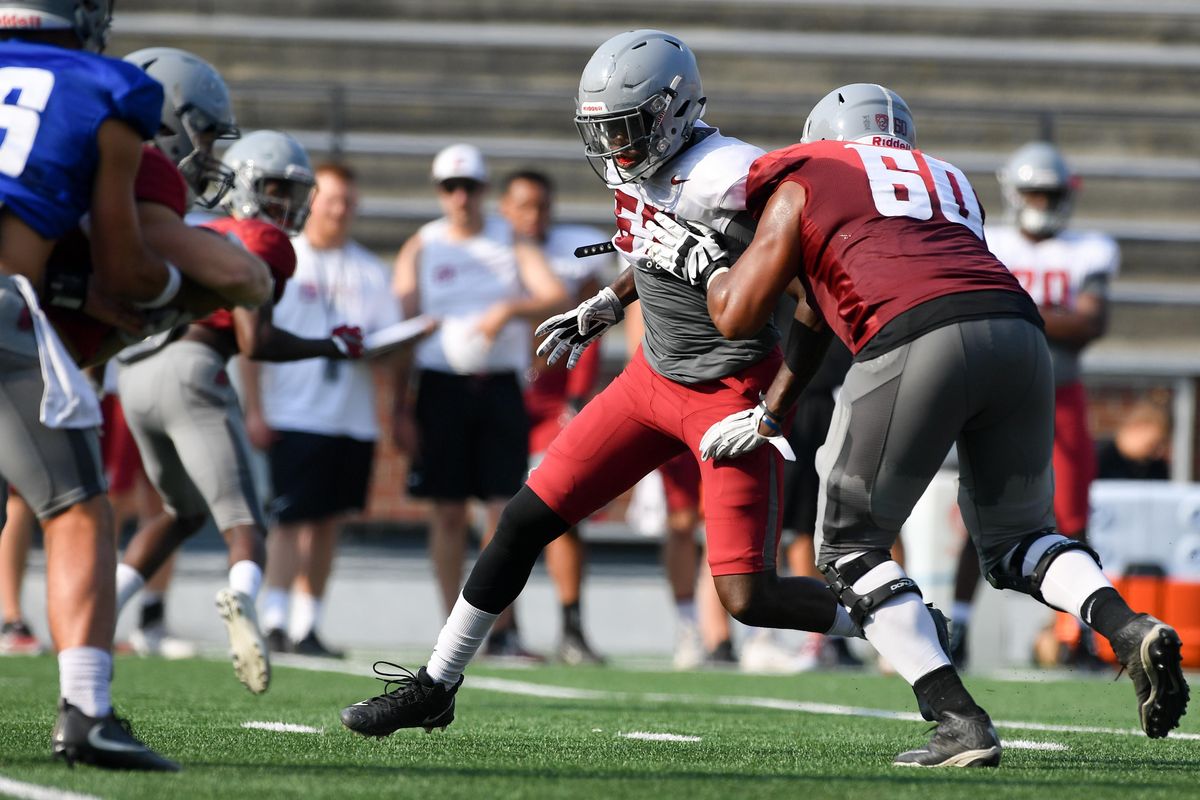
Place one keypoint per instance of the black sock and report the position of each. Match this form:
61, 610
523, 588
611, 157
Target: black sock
572, 618
1106, 612
153, 613
942, 690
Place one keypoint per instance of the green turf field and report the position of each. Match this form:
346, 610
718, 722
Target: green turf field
559, 732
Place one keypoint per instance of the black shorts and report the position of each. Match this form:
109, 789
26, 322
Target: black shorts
800, 483
317, 476
474, 437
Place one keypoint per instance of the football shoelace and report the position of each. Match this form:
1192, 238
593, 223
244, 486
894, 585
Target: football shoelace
393, 675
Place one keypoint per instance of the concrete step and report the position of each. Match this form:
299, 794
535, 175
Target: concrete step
1161, 21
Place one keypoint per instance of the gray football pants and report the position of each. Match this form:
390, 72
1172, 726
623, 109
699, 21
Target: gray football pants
983, 384
53, 469
185, 418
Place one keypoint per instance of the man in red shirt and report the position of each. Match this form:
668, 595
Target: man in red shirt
888, 244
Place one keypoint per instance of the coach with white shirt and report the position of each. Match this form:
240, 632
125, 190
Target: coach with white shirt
317, 419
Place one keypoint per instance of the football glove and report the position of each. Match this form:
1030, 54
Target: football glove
573, 331
691, 251
348, 339
738, 434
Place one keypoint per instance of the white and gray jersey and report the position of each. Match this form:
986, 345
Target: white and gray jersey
1057, 272
707, 183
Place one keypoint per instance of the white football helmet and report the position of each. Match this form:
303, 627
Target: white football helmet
273, 180
862, 112
89, 19
196, 113
1038, 168
638, 102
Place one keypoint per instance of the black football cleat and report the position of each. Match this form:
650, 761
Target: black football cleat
278, 641
418, 701
574, 650
943, 633
105, 742
1150, 650
312, 646
958, 741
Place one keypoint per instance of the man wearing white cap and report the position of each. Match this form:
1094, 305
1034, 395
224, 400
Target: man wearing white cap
468, 416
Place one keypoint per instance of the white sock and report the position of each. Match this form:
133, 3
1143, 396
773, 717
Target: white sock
129, 583
901, 630
961, 613
461, 637
843, 625
246, 577
85, 679
1071, 578
274, 609
685, 611
305, 609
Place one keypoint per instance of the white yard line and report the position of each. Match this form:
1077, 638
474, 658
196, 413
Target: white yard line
659, 737
1026, 744
281, 727
32, 791
531, 689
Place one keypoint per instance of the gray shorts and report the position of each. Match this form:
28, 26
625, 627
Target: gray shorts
53, 469
983, 384
188, 426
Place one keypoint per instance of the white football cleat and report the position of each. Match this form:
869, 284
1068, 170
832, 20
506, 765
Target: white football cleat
153, 640
689, 647
761, 653
247, 646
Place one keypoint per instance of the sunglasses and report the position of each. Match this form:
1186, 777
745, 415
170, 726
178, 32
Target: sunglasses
452, 185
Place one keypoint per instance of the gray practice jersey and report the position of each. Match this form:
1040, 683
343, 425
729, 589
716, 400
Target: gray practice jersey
705, 182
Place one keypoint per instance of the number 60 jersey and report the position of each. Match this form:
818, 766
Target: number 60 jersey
892, 242
52, 103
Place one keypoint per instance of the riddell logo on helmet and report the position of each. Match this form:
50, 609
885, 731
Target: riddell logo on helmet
594, 107
20, 21
890, 141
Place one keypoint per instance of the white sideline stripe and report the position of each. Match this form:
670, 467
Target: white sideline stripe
659, 737
1026, 744
530, 689
31, 791
281, 727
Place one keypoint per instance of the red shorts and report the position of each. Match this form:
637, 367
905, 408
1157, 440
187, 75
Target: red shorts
122, 461
643, 420
1074, 458
681, 482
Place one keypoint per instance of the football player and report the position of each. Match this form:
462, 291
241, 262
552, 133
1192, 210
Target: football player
184, 413
888, 243
639, 106
74, 123
1067, 273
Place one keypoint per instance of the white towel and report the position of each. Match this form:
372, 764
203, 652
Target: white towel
68, 400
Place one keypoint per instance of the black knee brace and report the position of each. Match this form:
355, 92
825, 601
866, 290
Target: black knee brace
842, 579
526, 526
1031, 584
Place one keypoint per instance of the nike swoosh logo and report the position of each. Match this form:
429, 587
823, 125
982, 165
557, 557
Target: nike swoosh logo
97, 740
676, 180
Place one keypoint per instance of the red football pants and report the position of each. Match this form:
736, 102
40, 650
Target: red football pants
642, 420
1074, 458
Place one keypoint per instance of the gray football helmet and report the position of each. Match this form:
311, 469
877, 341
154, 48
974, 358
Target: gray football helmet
638, 102
862, 112
1039, 168
89, 19
273, 180
196, 113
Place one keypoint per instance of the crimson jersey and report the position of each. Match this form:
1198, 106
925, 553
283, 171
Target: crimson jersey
157, 181
263, 240
884, 230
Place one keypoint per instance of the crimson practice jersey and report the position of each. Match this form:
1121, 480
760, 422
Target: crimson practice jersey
886, 231
267, 242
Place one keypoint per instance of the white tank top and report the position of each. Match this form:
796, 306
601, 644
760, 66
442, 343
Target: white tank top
458, 281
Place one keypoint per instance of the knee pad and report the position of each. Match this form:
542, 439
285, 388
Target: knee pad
1011, 572
841, 580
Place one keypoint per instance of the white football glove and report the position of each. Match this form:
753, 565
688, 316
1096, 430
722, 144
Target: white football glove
573, 331
691, 251
738, 434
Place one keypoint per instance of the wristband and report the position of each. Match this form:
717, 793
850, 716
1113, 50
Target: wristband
174, 281
770, 421
714, 273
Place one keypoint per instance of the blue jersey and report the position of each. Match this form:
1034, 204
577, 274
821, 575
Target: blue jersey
54, 101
